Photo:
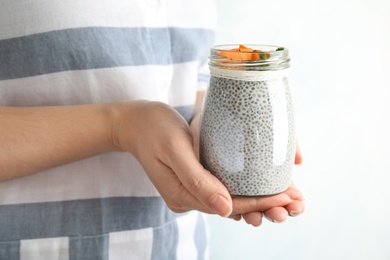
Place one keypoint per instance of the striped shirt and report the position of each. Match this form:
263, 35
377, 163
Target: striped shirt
75, 52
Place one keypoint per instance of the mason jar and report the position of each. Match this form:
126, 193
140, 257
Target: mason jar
247, 136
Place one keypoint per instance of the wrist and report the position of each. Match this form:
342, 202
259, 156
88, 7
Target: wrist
122, 121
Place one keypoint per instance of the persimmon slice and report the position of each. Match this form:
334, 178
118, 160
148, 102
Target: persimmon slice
244, 53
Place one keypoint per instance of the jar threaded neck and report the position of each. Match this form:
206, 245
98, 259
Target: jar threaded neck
254, 58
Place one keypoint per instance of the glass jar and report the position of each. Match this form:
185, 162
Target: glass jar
247, 136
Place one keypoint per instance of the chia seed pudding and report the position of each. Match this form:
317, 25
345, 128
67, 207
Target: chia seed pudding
247, 137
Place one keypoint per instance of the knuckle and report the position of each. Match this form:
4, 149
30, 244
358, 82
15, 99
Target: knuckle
178, 140
175, 146
174, 201
197, 185
175, 207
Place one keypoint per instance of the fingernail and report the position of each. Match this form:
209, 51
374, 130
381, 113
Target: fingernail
220, 205
294, 213
274, 220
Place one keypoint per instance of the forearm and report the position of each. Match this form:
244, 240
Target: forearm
37, 138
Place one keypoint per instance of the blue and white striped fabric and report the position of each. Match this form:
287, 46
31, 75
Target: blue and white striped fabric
91, 51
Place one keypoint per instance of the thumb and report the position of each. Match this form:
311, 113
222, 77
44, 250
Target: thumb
210, 191
204, 186
219, 202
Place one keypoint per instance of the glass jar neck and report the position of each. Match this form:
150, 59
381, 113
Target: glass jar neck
249, 57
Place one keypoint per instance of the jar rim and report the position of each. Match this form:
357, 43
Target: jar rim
263, 47
276, 57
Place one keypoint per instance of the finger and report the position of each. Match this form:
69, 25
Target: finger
253, 218
236, 217
294, 193
276, 214
295, 208
298, 156
194, 126
243, 205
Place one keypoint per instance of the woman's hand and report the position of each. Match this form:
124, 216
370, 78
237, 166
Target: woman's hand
162, 142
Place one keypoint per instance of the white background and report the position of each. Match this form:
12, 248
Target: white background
340, 78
